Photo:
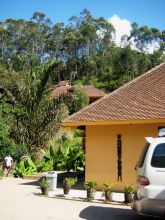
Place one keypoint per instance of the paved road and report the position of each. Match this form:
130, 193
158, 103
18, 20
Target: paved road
20, 200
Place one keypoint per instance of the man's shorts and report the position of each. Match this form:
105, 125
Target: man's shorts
8, 168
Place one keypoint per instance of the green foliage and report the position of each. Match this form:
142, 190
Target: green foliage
58, 159
128, 189
86, 53
2, 174
75, 100
19, 170
90, 184
72, 158
34, 116
144, 36
44, 182
44, 186
16, 151
75, 159
5, 140
85, 44
24, 167
69, 181
44, 166
79, 101
65, 154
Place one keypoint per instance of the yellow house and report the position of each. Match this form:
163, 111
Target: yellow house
117, 124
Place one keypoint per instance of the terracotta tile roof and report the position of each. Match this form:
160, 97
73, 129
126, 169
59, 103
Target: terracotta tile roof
92, 91
142, 98
61, 88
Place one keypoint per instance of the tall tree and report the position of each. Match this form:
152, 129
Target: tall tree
36, 116
143, 37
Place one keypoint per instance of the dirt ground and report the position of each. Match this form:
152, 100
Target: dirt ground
22, 200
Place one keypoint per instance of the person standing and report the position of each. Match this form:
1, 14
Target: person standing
8, 160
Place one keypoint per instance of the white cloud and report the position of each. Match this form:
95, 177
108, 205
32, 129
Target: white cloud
122, 27
152, 47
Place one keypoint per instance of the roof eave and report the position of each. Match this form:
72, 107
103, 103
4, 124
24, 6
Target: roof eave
113, 122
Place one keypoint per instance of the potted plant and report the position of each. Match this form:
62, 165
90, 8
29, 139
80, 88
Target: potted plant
44, 186
108, 192
68, 182
90, 186
128, 193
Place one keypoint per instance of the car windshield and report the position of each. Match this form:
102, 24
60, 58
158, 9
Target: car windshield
158, 158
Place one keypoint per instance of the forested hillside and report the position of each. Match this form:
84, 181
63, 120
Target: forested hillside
85, 46
35, 54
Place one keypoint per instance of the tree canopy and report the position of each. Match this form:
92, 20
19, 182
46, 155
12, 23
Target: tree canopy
36, 54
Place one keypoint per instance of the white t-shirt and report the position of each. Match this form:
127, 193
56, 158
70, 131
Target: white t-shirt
8, 161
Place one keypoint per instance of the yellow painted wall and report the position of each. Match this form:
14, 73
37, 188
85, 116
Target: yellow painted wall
101, 151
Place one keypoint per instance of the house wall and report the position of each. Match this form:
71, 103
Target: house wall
101, 151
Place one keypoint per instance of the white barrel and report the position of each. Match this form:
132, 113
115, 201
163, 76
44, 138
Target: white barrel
52, 178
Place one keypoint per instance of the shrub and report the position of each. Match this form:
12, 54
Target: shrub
69, 181
128, 189
90, 184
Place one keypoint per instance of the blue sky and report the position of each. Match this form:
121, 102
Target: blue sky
144, 12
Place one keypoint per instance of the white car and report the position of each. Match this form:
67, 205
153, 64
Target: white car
150, 197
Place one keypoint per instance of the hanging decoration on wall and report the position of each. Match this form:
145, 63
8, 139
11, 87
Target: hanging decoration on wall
119, 157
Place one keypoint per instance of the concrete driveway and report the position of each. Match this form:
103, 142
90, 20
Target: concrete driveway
21, 200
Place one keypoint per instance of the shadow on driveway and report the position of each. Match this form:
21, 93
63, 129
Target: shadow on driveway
108, 213
60, 178
33, 183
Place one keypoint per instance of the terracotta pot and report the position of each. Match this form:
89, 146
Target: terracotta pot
66, 189
108, 195
91, 194
45, 190
128, 197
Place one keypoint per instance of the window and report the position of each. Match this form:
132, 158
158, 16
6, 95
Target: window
143, 154
158, 157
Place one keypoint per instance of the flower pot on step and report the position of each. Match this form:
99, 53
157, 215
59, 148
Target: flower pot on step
108, 195
128, 197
